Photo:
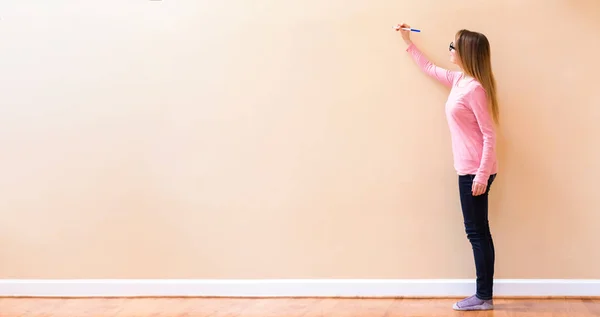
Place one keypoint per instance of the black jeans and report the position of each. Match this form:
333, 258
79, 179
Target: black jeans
475, 214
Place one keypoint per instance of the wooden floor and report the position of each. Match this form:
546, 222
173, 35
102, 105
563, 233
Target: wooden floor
196, 307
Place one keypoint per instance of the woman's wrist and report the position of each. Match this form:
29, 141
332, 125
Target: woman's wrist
408, 42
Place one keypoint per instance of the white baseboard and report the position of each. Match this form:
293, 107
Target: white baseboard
293, 288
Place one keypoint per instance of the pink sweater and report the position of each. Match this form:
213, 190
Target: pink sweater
469, 119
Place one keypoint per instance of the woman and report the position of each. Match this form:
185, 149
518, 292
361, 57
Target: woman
470, 108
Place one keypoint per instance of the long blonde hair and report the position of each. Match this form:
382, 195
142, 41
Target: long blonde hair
474, 53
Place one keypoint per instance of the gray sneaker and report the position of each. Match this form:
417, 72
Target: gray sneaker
474, 303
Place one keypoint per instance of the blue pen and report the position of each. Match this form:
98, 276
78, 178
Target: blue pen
407, 29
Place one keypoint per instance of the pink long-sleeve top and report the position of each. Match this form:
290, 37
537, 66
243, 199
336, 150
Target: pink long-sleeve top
469, 119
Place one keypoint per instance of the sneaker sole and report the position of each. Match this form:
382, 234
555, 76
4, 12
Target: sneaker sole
470, 308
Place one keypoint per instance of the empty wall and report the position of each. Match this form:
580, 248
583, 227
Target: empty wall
287, 139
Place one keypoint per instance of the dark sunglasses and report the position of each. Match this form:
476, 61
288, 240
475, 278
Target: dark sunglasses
451, 46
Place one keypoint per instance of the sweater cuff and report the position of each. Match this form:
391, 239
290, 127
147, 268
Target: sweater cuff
481, 179
410, 47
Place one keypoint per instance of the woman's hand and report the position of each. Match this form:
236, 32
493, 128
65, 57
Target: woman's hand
478, 189
405, 34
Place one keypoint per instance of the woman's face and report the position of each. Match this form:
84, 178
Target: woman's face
453, 57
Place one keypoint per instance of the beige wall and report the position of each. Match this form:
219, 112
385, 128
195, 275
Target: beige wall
287, 139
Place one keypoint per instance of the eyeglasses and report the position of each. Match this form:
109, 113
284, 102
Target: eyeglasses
451, 47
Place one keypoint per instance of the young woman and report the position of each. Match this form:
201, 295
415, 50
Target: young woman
471, 110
